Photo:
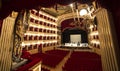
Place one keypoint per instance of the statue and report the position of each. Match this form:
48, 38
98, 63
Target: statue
19, 30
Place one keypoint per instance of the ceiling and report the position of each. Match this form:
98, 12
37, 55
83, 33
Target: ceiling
61, 10
53, 7
7, 6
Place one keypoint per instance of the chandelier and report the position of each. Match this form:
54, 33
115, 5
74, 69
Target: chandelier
83, 13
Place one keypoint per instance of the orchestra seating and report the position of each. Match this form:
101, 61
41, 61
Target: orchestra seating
60, 53
83, 61
78, 60
52, 58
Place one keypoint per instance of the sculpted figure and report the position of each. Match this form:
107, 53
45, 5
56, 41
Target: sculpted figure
19, 30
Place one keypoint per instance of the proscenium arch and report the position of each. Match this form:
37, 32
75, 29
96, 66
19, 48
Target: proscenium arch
65, 17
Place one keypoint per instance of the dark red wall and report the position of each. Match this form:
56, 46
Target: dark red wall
1, 22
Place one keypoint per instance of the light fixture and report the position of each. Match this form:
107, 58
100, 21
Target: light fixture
71, 5
80, 16
83, 12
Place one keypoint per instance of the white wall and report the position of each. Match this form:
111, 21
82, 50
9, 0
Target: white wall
75, 38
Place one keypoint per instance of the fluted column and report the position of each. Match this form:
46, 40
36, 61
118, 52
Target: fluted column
5, 44
105, 30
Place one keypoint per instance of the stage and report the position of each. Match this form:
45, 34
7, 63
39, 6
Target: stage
75, 46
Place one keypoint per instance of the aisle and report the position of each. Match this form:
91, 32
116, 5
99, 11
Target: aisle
60, 65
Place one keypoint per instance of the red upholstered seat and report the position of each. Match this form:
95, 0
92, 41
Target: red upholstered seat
25, 54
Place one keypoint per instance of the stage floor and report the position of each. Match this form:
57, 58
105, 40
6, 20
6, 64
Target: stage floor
74, 47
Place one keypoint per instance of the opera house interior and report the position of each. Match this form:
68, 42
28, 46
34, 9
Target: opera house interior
59, 35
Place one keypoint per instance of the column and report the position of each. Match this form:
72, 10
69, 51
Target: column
107, 45
6, 44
